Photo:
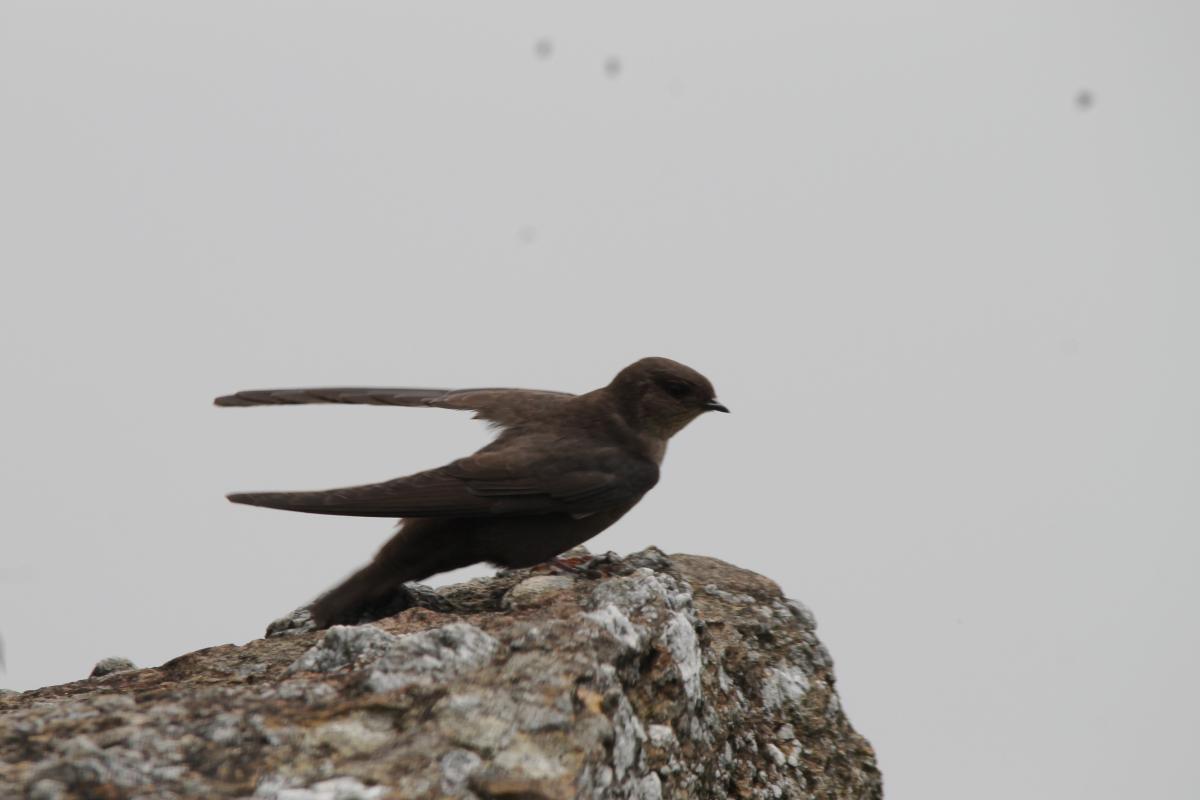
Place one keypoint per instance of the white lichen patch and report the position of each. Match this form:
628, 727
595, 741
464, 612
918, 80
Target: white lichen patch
729, 597
784, 686
525, 758
225, 729
352, 737
344, 646
612, 621
628, 736
343, 788
443, 652
643, 593
679, 637
457, 766
305, 691
648, 787
661, 736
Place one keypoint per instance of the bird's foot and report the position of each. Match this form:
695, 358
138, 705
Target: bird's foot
569, 565
585, 566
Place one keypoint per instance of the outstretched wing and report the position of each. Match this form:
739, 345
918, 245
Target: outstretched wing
376, 396
503, 406
490, 483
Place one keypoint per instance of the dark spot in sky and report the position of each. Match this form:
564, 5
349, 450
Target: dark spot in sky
612, 67
1084, 99
527, 234
543, 48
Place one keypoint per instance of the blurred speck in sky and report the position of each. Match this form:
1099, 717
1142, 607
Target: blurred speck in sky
544, 48
612, 67
1084, 100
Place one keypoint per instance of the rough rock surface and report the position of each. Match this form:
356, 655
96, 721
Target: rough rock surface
664, 677
107, 666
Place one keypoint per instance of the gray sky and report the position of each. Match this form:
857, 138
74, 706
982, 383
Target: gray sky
954, 313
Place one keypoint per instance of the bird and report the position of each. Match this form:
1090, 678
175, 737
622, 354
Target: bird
563, 468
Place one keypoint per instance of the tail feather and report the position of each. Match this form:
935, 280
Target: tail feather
371, 593
422, 547
285, 501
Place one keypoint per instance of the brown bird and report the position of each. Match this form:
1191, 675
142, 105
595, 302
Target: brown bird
563, 468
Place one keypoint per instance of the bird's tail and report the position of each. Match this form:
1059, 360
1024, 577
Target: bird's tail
422, 547
372, 592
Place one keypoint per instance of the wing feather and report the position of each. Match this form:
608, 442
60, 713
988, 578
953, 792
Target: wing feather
503, 406
463, 489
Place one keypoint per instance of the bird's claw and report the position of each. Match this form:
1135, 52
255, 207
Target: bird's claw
569, 565
585, 566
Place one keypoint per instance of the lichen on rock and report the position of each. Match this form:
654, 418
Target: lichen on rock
344, 646
654, 677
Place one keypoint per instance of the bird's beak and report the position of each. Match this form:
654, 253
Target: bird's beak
713, 405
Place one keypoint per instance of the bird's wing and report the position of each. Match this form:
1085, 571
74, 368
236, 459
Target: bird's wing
503, 406
495, 483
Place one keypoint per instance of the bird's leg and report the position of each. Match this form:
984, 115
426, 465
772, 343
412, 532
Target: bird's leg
570, 565
603, 565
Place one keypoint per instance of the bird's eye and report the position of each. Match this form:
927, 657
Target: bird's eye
677, 389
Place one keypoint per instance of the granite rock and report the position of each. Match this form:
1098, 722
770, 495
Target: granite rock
647, 677
107, 666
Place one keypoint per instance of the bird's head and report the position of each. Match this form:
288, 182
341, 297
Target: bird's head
662, 396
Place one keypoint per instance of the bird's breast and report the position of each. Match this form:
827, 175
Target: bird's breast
656, 449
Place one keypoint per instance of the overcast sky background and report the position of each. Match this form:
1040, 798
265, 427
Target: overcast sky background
952, 304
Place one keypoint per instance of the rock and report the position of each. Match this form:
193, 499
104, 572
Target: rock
107, 666
332, 789
47, 789
532, 591
299, 621
344, 646
654, 677
432, 655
